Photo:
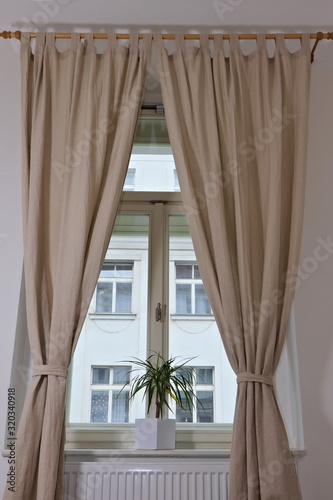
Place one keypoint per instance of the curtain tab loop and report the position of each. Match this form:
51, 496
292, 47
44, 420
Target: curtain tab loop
112, 40
305, 43
89, 37
261, 41
40, 40
218, 41
158, 41
46, 370
50, 39
180, 42
134, 41
204, 41
252, 377
25, 39
234, 41
146, 42
75, 40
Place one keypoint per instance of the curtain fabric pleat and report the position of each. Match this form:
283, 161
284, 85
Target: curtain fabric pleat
238, 130
79, 114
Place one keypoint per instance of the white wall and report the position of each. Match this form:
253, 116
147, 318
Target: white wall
10, 224
314, 308
314, 298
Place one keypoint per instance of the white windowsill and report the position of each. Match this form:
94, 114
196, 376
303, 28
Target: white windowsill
189, 437
191, 317
113, 316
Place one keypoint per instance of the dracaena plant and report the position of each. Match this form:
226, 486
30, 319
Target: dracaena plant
163, 378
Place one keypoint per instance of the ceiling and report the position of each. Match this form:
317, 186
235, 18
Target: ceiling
162, 15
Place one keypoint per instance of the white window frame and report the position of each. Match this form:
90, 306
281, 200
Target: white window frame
188, 281
115, 281
200, 387
110, 387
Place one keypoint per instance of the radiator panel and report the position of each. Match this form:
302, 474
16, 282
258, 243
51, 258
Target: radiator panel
139, 479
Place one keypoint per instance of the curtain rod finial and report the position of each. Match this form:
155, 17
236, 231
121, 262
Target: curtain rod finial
10, 34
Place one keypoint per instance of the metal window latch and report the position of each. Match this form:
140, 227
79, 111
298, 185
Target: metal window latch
158, 312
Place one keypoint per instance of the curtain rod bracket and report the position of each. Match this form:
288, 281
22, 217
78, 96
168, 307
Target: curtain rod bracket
320, 36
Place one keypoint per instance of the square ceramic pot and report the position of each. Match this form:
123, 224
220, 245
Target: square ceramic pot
155, 434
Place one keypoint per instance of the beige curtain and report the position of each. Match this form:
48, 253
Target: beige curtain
80, 111
238, 129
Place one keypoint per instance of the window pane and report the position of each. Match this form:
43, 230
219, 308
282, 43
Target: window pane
120, 406
184, 271
204, 376
205, 410
121, 375
101, 375
104, 297
183, 299
202, 305
124, 298
184, 415
99, 406
124, 270
107, 270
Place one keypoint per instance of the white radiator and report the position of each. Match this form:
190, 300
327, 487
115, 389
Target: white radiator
142, 479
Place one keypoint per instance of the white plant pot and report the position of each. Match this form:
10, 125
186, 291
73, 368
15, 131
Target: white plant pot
155, 434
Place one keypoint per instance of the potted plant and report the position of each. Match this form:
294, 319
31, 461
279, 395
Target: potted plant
163, 379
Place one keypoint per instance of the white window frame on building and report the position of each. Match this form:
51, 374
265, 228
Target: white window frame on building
203, 384
190, 294
116, 283
109, 403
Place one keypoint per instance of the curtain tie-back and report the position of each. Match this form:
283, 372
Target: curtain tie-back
58, 371
252, 377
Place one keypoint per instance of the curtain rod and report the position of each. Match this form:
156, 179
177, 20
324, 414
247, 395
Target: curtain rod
189, 36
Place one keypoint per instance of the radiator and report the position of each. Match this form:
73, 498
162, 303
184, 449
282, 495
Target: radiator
140, 479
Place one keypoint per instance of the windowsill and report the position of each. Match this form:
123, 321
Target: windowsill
191, 317
113, 316
99, 455
89, 454
189, 437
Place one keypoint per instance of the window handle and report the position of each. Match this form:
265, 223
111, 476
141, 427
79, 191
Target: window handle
158, 312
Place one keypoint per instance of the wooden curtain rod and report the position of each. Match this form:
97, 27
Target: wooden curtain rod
169, 36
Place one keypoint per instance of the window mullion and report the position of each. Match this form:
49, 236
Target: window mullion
157, 329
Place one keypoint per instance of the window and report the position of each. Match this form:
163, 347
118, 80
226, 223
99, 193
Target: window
203, 406
150, 260
191, 297
114, 288
108, 402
